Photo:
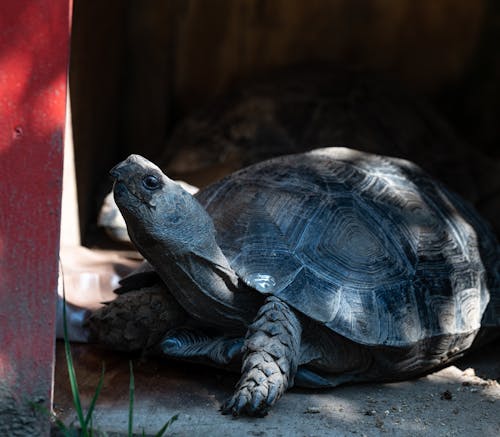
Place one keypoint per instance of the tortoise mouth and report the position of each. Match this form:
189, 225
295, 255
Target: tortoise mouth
125, 195
120, 189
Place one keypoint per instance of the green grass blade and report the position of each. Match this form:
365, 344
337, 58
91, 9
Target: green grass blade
63, 428
59, 423
131, 401
166, 426
94, 398
71, 371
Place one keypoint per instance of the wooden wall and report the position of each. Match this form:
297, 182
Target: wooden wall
34, 47
137, 67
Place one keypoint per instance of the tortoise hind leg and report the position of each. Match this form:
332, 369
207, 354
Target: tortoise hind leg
272, 348
193, 345
308, 378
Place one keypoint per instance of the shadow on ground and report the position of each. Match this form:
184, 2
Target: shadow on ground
463, 399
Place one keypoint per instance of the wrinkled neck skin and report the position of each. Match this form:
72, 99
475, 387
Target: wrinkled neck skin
201, 279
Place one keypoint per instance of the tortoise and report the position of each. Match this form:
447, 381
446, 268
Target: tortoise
316, 269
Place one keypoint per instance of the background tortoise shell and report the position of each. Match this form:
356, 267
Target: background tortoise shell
293, 110
371, 247
296, 110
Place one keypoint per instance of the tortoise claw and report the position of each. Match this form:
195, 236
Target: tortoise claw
242, 403
257, 391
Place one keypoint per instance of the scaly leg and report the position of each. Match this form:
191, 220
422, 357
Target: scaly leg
272, 348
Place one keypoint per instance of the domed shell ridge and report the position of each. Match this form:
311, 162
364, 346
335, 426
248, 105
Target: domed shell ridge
369, 246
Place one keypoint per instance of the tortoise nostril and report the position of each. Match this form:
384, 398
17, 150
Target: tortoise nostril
117, 171
114, 173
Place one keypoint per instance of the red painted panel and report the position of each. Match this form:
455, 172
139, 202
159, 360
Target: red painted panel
34, 49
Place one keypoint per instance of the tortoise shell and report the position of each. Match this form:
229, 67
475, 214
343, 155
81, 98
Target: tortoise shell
371, 247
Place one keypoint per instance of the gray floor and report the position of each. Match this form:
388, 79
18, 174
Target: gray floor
463, 399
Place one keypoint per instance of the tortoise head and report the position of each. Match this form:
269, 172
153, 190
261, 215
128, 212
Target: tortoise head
157, 209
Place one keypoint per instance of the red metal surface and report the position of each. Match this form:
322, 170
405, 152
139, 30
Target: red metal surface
34, 50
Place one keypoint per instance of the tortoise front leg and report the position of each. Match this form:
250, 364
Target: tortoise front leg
272, 348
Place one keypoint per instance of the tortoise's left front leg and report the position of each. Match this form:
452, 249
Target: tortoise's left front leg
271, 349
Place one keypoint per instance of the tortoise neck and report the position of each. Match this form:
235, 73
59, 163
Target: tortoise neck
204, 283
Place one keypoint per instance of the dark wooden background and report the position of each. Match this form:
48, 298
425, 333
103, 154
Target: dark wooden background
139, 66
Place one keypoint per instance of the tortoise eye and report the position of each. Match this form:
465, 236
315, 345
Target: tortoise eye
151, 182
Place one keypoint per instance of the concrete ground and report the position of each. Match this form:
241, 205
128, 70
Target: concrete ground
463, 399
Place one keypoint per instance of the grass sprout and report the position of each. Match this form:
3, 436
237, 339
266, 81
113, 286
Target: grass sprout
131, 391
85, 420
166, 425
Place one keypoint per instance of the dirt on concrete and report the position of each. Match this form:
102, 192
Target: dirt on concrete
462, 399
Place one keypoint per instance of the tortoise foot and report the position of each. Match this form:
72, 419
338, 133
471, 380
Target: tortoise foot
257, 391
270, 363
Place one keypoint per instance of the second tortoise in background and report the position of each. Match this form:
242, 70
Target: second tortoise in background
297, 109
